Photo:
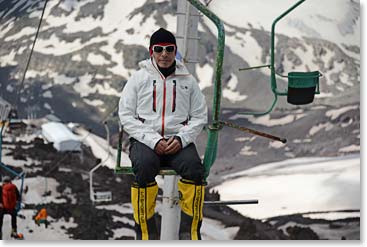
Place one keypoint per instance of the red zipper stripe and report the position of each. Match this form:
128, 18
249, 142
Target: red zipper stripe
174, 96
154, 96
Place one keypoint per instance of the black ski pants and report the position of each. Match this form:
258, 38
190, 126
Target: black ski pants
146, 163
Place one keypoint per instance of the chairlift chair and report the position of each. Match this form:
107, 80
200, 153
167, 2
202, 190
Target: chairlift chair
302, 86
100, 196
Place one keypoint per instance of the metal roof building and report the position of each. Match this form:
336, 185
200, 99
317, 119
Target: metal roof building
61, 137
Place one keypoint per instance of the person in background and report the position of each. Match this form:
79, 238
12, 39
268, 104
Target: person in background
163, 111
9, 196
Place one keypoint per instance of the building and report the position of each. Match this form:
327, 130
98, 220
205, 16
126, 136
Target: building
61, 137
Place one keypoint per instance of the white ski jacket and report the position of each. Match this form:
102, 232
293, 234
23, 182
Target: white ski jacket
153, 107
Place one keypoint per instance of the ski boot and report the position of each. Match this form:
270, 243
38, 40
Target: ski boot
16, 235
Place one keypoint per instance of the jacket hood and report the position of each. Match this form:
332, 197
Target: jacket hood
151, 66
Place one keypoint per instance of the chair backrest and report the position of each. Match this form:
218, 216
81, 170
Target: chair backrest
5, 108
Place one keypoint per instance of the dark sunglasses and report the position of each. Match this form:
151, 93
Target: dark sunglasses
160, 48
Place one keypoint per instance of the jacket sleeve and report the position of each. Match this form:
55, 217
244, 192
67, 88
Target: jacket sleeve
198, 116
128, 116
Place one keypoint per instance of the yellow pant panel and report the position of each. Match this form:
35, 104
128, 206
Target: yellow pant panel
143, 201
191, 202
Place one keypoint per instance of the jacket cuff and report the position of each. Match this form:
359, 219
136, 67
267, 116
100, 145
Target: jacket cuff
182, 140
179, 139
154, 143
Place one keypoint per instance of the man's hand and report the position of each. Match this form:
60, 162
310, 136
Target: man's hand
174, 146
161, 147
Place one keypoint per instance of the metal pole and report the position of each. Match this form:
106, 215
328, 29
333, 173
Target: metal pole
170, 210
235, 202
272, 45
213, 129
187, 42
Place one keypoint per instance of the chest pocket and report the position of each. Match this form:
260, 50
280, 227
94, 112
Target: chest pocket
181, 97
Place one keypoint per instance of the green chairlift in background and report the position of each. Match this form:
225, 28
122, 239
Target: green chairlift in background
302, 86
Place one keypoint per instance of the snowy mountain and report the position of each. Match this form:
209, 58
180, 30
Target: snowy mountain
86, 50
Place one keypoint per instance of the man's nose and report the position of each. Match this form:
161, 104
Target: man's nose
164, 52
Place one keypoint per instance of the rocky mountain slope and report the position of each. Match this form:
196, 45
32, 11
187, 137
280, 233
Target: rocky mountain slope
59, 182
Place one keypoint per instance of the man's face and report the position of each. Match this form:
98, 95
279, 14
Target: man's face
164, 55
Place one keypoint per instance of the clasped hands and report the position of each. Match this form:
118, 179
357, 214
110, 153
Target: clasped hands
166, 147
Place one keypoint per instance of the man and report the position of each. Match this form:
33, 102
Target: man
9, 196
163, 111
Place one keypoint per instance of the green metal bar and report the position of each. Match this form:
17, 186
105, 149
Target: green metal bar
212, 143
272, 68
219, 58
129, 170
211, 150
264, 112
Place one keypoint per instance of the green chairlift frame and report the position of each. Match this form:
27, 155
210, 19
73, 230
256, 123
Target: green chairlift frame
302, 86
298, 83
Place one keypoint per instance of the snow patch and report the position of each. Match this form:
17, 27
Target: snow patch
205, 75
334, 114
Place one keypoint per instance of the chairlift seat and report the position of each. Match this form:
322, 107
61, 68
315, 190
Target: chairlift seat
103, 196
302, 87
129, 170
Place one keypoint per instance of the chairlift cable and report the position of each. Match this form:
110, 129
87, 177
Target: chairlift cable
30, 55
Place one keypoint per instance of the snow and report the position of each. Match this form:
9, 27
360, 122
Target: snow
267, 121
333, 215
8, 59
317, 128
56, 231
246, 151
349, 149
334, 114
215, 230
25, 31
100, 149
276, 144
84, 89
96, 59
295, 186
205, 74
37, 187
311, 19
245, 44
95, 102
230, 93
47, 94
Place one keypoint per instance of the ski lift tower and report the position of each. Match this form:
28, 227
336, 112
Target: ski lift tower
187, 45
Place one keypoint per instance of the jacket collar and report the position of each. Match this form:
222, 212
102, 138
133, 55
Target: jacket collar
151, 67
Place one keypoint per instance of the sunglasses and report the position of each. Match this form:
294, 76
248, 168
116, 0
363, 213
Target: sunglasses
160, 48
